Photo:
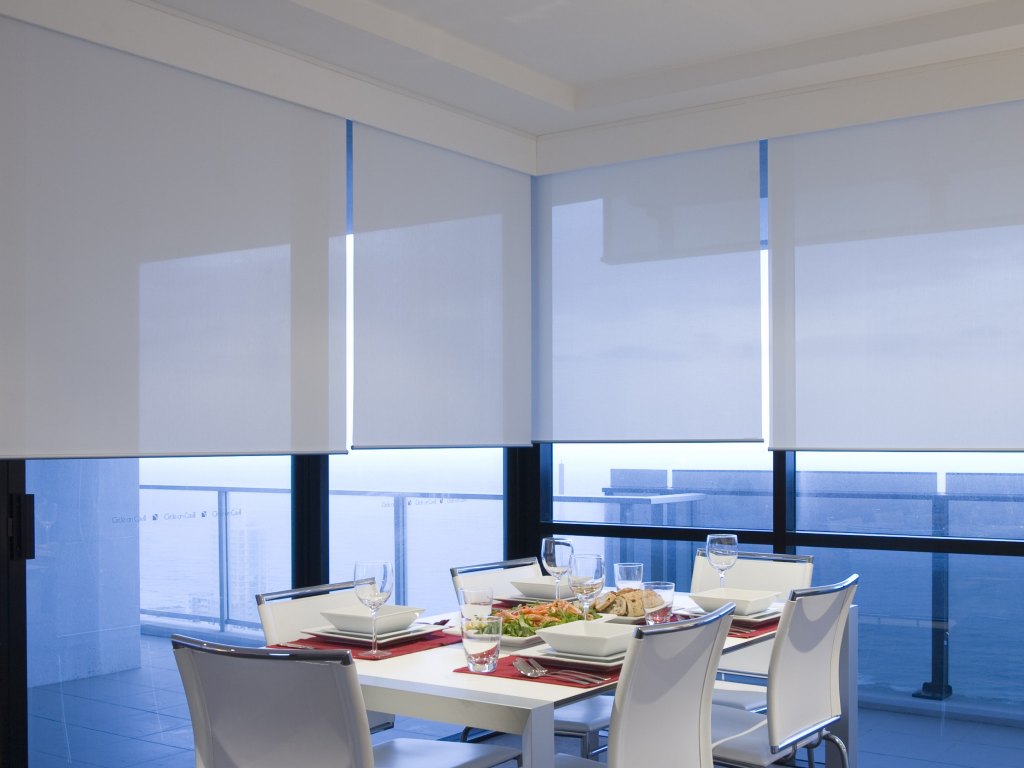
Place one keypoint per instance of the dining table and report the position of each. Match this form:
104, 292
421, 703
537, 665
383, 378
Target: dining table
433, 684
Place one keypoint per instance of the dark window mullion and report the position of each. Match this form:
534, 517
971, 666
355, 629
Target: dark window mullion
310, 521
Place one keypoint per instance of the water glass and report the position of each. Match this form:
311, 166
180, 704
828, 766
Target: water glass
660, 612
555, 554
374, 581
629, 575
586, 579
481, 640
475, 602
723, 550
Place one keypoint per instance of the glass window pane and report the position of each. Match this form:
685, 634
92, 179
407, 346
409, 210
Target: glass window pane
967, 495
128, 552
662, 560
916, 634
425, 510
717, 485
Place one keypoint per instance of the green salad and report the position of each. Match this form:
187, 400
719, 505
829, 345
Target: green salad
525, 620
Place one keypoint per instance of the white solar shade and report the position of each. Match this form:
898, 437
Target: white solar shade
897, 274
648, 291
442, 297
171, 260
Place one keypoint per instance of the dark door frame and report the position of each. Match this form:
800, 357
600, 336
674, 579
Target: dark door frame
18, 545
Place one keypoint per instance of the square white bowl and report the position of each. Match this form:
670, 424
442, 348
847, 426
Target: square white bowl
356, 618
747, 601
543, 588
588, 638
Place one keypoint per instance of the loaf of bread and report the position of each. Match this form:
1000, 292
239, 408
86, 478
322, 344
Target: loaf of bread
627, 602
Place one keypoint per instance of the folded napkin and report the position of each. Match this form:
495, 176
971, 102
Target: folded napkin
505, 669
419, 643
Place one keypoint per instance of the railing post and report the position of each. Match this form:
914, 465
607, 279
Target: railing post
401, 549
222, 557
938, 687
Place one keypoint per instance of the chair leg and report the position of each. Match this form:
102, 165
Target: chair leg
844, 756
590, 743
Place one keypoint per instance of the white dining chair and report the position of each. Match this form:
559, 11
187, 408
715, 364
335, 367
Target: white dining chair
584, 719
774, 572
662, 710
284, 614
803, 685
498, 575
268, 708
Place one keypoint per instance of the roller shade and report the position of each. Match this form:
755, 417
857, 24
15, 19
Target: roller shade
897, 276
172, 277
648, 294
442, 297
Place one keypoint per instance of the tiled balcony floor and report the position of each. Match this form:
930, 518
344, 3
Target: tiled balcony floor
140, 718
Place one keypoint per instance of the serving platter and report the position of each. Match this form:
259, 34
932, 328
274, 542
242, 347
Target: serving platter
507, 641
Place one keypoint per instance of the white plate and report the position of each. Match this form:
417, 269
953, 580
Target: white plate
507, 641
753, 620
588, 638
748, 601
356, 620
547, 653
542, 588
333, 635
625, 619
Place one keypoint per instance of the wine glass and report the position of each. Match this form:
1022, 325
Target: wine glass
374, 582
723, 548
586, 579
555, 553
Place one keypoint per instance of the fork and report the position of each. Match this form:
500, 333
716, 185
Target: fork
532, 668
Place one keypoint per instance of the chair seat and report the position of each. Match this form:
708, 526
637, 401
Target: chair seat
581, 717
423, 753
752, 698
563, 760
749, 742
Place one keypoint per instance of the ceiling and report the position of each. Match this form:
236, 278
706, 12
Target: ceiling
540, 67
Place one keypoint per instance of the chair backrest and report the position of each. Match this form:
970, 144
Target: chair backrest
663, 699
286, 613
803, 675
267, 708
498, 576
756, 570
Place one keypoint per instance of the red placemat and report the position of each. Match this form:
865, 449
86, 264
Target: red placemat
763, 629
505, 669
434, 640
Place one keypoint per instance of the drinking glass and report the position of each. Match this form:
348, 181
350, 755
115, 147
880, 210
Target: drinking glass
481, 640
374, 582
586, 579
475, 602
723, 548
660, 611
555, 553
629, 575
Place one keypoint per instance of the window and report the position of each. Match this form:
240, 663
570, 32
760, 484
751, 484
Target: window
674, 485
426, 510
